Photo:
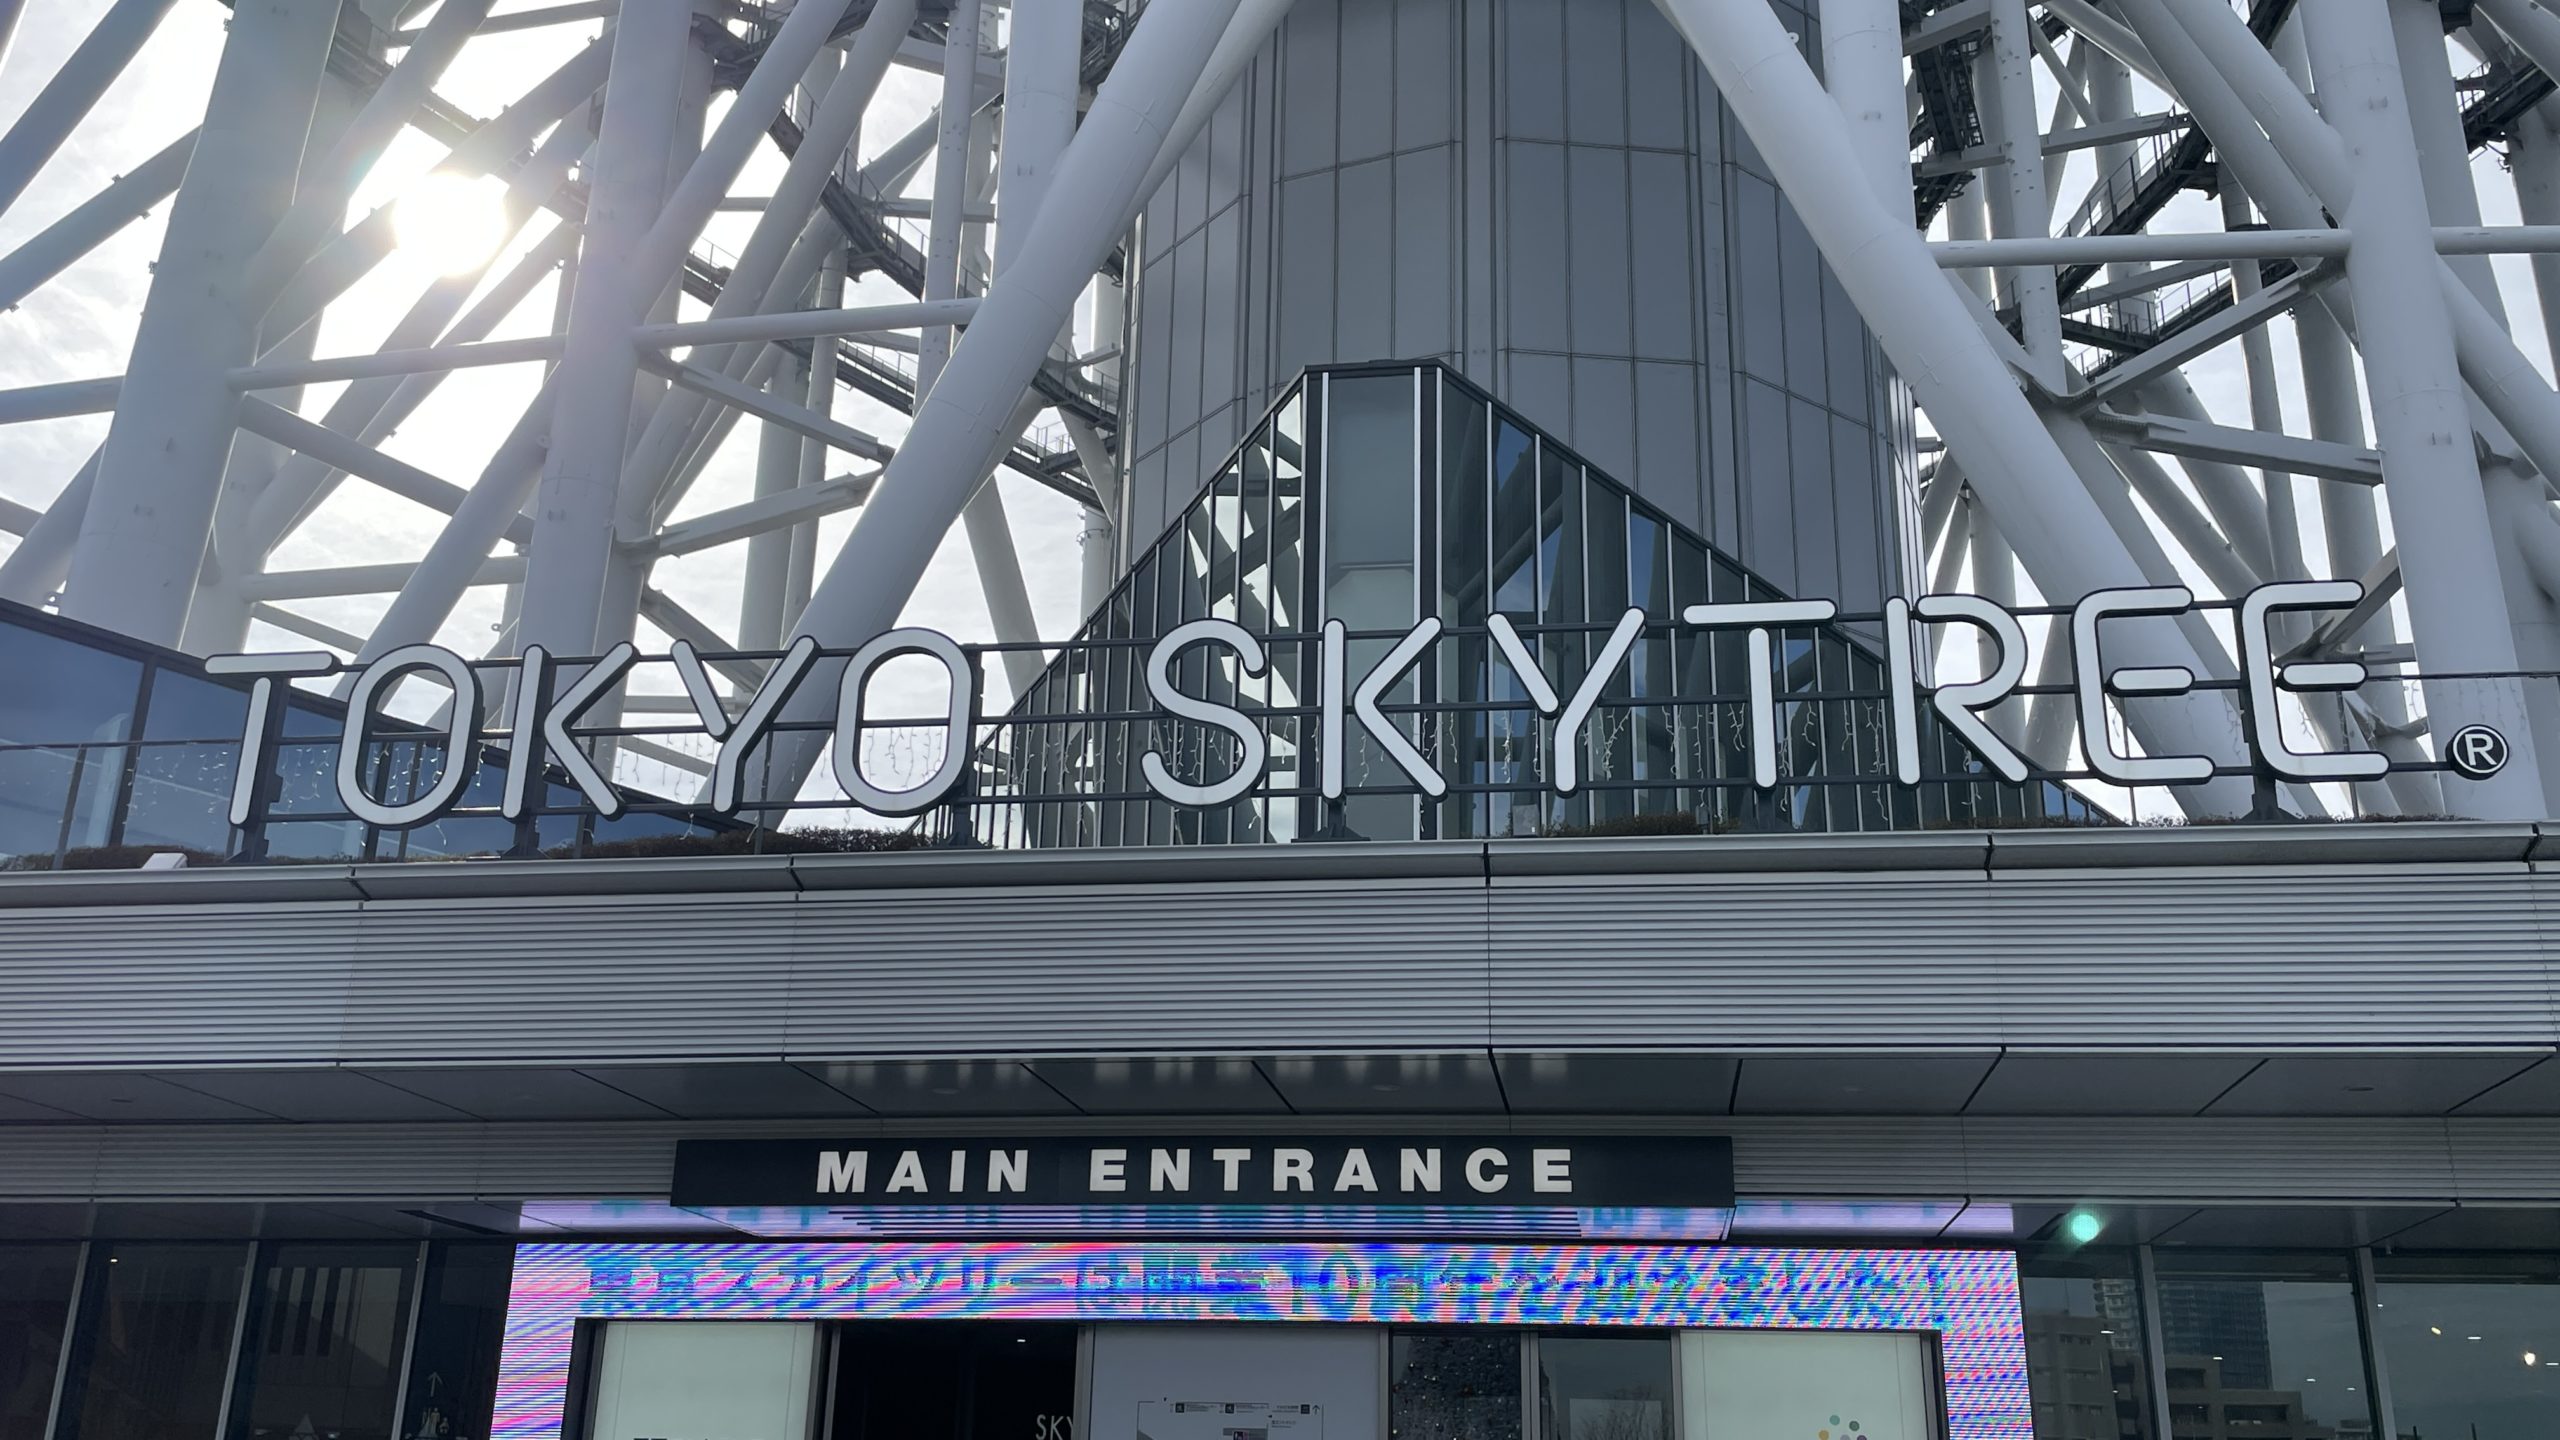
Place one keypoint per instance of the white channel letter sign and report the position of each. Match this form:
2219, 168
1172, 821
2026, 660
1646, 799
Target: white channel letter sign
548, 718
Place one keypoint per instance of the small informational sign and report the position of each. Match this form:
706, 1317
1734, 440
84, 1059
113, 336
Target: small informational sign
1228, 1420
1576, 1172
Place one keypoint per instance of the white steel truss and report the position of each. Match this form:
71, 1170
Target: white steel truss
2074, 220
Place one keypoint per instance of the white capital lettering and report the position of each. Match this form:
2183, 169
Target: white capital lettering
1577, 712
1232, 1162
1355, 1173
1755, 618
841, 1172
1008, 1170
1249, 761
262, 694
1293, 1169
956, 749
2092, 682
1419, 1170
1551, 1171
907, 1174
1109, 1172
1488, 1170
1364, 703
1955, 704
2266, 677
1169, 1170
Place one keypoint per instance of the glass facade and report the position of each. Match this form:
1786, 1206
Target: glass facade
321, 1356
2472, 1346
1382, 496
35, 1314
127, 750
153, 1357
2087, 1366
2262, 1345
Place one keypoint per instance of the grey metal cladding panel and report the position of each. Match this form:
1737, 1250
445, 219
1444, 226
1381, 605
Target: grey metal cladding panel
571, 980
1810, 1155
1598, 215
1368, 79
1364, 294
1667, 467
1604, 418
1305, 301
1663, 258
1222, 252
1658, 61
1532, 41
2370, 956
1534, 259
1720, 963
1595, 73
2495, 1159
1388, 967
1426, 73
1308, 51
210, 984
1427, 262
2128, 1159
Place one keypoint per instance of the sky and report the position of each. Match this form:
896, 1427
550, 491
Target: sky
81, 325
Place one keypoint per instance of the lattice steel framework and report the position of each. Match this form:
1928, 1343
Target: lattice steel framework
2054, 148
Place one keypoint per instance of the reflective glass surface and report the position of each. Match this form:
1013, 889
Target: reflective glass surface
2085, 1364
462, 1322
155, 1343
1605, 1387
2261, 1341
1453, 1385
35, 1307
923, 1380
2473, 1346
321, 1357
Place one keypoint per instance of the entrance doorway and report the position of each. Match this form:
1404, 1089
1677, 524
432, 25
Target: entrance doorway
979, 1380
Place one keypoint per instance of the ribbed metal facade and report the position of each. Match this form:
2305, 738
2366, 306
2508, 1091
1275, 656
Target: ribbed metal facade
2071, 942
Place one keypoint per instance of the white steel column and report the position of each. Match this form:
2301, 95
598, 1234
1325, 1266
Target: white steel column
74, 90
592, 390
801, 563
2534, 158
2014, 187
1885, 265
959, 430
150, 517
1862, 68
2440, 516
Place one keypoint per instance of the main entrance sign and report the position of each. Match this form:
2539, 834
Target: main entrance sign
1607, 1172
543, 721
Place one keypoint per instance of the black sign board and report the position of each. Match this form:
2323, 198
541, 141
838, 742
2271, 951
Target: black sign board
1606, 1172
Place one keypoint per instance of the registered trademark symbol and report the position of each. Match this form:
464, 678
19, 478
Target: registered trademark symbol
2476, 752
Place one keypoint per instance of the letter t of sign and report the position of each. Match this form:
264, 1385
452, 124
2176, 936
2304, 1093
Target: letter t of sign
1756, 618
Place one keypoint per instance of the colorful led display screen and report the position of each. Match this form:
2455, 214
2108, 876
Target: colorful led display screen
1968, 1298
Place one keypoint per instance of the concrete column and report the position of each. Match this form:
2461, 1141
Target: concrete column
2448, 557
150, 517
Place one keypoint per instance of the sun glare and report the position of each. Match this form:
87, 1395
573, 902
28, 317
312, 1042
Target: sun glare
453, 223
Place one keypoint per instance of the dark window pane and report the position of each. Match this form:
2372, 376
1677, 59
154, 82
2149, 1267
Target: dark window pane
155, 1343
2084, 1345
86, 695
909, 1380
2473, 1346
1454, 1385
2276, 1332
322, 1354
189, 707
462, 1323
35, 1305
1604, 1388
